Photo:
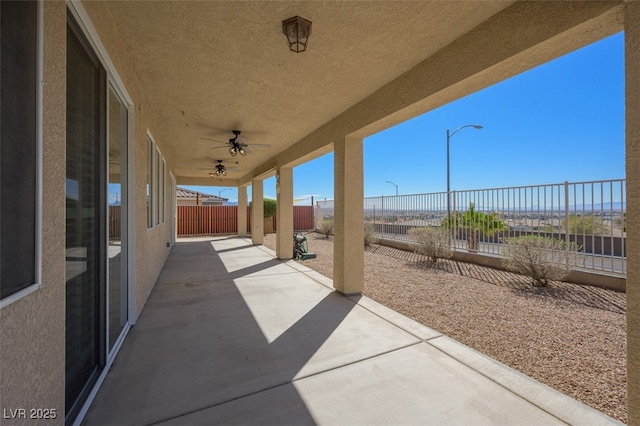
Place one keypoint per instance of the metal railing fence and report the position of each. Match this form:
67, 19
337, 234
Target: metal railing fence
590, 214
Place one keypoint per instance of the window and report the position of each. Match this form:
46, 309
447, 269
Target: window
150, 151
155, 182
18, 146
163, 167
156, 177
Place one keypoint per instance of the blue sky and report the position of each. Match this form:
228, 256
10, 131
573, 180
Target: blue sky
561, 121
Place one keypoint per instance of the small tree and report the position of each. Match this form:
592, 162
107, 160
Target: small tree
432, 242
326, 228
540, 258
270, 208
472, 222
369, 234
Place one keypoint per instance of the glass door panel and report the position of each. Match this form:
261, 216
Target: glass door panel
116, 193
85, 221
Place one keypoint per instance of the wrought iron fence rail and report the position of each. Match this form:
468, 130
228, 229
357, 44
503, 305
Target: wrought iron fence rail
590, 214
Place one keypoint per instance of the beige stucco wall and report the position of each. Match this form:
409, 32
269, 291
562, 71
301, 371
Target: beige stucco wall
257, 212
151, 248
632, 83
32, 345
284, 213
242, 211
182, 202
348, 221
32, 329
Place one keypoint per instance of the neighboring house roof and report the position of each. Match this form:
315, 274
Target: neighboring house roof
188, 194
214, 200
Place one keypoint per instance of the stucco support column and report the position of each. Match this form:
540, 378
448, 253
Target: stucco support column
632, 154
348, 226
257, 212
242, 211
284, 214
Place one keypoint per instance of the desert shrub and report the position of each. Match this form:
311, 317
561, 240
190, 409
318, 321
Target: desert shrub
326, 228
587, 225
432, 242
369, 234
540, 258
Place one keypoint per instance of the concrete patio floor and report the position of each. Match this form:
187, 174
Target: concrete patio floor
231, 335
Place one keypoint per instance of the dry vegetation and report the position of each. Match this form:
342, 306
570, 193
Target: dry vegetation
570, 337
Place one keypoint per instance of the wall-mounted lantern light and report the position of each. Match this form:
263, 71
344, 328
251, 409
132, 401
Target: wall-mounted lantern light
297, 31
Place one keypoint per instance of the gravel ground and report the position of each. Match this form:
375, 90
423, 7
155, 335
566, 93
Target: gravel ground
568, 336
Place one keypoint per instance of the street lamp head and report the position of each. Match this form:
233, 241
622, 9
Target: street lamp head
393, 185
477, 126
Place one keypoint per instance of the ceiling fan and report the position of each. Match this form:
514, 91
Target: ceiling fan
238, 144
221, 170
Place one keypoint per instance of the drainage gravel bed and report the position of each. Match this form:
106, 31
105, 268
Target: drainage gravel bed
568, 336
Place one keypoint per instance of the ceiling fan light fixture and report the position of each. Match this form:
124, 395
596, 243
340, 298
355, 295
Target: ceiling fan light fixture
232, 151
242, 151
297, 30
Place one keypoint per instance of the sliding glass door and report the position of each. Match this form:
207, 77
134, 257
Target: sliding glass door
97, 226
85, 217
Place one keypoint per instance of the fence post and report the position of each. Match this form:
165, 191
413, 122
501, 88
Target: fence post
374, 216
198, 230
453, 220
316, 217
382, 216
566, 220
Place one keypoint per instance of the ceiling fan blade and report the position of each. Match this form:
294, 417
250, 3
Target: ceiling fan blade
215, 140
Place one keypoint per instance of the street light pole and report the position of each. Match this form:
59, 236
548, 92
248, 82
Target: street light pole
394, 185
222, 190
449, 135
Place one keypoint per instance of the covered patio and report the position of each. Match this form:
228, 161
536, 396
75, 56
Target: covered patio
232, 335
128, 100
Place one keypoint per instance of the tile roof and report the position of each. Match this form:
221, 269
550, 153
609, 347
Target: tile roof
188, 193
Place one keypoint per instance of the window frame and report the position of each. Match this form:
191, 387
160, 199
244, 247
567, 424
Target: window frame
163, 190
156, 184
37, 284
150, 199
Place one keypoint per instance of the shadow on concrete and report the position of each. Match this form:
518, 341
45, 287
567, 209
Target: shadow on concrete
198, 345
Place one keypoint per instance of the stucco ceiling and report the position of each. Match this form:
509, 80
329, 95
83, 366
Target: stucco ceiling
206, 68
